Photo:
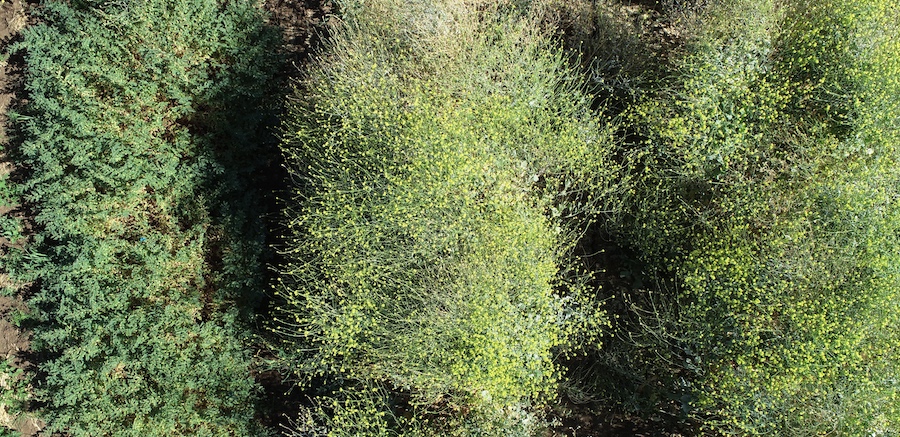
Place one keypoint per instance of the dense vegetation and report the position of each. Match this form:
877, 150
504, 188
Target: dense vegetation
438, 169
766, 201
494, 209
135, 139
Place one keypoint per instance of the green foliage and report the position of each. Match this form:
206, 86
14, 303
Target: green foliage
14, 394
767, 187
445, 162
8, 195
138, 141
10, 227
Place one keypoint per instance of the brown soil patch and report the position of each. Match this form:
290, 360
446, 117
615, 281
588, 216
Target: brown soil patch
14, 343
12, 19
301, 23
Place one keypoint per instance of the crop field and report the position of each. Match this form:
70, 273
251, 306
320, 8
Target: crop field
549, 218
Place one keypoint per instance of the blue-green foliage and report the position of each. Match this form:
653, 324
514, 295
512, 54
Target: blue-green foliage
138, 141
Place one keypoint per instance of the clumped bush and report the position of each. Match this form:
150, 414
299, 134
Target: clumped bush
620, 54
766, 187
137, 140
445, 162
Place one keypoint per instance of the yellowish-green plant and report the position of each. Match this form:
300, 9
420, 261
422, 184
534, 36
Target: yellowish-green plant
619, 55
445, 162
768, 191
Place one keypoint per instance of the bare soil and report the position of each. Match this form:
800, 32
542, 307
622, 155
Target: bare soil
302, 26
302, 23
14, 343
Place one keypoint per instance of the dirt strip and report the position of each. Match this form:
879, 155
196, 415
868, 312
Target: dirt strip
14, 343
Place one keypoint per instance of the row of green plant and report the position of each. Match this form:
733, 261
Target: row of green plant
450, 181
445, 161
764, 212
137, 145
